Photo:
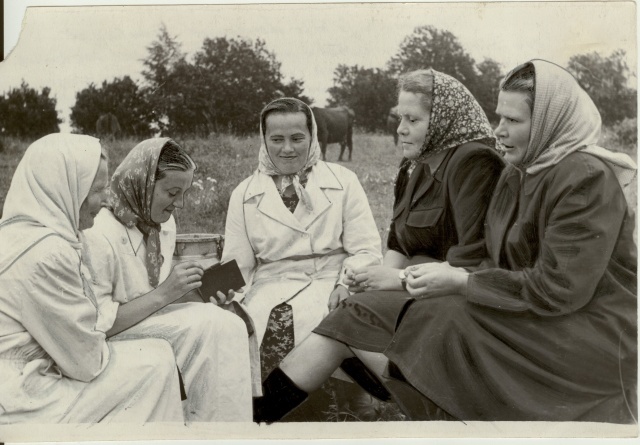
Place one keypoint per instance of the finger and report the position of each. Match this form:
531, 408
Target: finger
221, 297
360, 278
333, 302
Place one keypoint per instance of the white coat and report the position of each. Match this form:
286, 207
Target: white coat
298, 257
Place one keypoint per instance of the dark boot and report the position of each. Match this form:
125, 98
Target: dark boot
360, 374
279, 396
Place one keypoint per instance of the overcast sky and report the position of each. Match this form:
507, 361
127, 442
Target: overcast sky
66, 48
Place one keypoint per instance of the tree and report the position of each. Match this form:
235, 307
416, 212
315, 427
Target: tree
164, 54
429, 47
240, 76
228, 81
606, 80
122, 97
25, 113
488, 87
369, 92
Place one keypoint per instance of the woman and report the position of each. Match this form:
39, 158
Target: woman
545, 328
131, 245
56, 364
448, 173
293, 227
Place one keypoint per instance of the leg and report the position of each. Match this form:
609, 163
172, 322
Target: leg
342, 148
140, 384
212, 352
312, 363
375, 361
302, 371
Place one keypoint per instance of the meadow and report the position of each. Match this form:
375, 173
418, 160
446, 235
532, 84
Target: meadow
225, 160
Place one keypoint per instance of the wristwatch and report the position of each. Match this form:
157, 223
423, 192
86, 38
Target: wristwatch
403, 279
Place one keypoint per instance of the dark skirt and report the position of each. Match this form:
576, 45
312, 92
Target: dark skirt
480, 364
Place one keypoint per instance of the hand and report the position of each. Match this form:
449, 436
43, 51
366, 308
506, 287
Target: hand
184, 277
339, 293
220, 299
436, 280
375, 278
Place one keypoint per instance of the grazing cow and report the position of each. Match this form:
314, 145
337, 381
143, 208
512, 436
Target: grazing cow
107, 126
335, 125
393, 121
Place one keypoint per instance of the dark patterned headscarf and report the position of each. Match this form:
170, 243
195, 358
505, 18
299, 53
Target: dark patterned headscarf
456, 118
131, 195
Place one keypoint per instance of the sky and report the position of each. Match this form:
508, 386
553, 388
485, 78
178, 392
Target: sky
67, 48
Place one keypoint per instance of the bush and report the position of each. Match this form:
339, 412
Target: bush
622, 136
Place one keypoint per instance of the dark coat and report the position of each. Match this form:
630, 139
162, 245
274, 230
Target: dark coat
441, 216
547, 330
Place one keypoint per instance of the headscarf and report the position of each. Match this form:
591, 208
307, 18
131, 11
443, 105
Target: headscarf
565, 120
132, 187
456, 118
266, 165
47, 190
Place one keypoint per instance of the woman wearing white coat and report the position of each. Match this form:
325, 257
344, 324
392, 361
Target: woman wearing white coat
294, 227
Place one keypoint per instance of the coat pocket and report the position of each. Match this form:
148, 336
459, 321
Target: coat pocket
422, 218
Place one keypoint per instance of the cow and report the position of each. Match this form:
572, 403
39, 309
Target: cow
335, 125
393, 121
107, 126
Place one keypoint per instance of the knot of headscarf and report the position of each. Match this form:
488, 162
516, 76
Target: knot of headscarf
266, 165
565, 120
131, 196
456, 118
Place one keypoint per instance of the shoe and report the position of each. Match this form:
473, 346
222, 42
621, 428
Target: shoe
280, 396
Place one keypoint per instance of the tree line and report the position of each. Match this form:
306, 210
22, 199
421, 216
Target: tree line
223, 84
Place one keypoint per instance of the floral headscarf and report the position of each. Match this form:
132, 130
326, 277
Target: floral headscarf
456, 118
266, 165
132, 187
565, 120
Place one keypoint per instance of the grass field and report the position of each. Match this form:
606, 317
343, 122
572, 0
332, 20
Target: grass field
224, 161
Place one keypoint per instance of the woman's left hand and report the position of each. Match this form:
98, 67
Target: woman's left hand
436, 280
339, 293
376, 278
221, 299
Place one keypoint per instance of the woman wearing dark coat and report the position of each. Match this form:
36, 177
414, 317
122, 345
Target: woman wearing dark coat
545, 327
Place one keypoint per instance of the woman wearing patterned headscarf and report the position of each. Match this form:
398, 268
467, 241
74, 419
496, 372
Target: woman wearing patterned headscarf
131, 246
444, 185
545, 328
293, 226
55, 362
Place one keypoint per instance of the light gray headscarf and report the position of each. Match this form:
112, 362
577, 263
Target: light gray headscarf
266, 165
566, 120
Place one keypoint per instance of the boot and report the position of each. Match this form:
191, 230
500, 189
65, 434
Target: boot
279, 396
365, 378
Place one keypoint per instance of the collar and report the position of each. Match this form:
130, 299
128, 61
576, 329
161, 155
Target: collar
321, 176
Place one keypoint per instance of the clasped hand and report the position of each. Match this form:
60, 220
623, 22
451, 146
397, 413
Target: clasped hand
435, 280
373, 278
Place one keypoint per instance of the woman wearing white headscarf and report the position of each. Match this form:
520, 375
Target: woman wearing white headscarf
545, 327
55, 362
293, 227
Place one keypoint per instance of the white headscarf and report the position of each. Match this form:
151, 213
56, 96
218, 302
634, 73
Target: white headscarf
566, 120
266, 165
48, 187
